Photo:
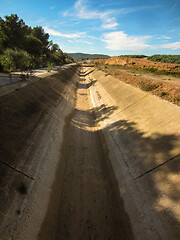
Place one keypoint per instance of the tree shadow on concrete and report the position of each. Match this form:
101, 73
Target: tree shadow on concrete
103, 112
159, 188
86, 85
86, 204
151, 158
84, 74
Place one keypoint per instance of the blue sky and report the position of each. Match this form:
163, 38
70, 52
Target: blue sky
110, 27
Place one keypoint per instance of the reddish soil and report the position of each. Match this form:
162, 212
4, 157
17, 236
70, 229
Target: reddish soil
166, 87
140, 63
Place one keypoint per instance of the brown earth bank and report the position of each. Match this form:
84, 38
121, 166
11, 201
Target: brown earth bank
140, 63
165, 87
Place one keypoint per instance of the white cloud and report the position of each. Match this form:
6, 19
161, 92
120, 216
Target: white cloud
59, 34
163, 37
80, 41
173, 46
87, 42
121, 41
109, 23
111, 26
82, 12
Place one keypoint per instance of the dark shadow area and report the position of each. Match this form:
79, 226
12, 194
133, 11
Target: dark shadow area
74, 69
144, 153
85, 201
82, 94
146, 147
84, 74
87, 65
21, 114
103, 112
86, 85
159, 185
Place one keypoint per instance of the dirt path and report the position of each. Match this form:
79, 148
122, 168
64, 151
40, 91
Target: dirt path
84, 202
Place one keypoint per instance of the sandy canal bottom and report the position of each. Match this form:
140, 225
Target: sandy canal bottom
85, 203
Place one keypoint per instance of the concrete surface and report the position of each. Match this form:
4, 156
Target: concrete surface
79, 142
142, 132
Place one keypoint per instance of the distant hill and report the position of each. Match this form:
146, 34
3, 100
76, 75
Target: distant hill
85, 56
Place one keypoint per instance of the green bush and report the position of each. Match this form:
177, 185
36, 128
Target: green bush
13, 60
163, 94
134, 56
165, 58
96, 63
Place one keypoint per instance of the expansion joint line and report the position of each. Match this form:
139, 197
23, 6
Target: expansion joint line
152, 169
17, 170
133, 103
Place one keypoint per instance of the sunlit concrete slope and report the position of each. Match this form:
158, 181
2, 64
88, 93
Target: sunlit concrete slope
143, 136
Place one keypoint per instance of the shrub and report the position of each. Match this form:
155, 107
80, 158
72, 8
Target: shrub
15, 60
134, 56
148, 86
163, 94
177, 99
165, 58
96, 63
50, 66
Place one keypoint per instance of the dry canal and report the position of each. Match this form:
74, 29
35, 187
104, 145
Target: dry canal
104, 158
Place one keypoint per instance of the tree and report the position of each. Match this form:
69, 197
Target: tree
33, 45
13, 31
13, 60
19, 42
55, 48
58, 57
39, 33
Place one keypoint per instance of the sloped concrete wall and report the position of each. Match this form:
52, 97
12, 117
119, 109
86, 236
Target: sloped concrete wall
32, 119
143, 135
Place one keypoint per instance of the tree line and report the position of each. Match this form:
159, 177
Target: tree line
23, 47
158, 58
165, 58
134, 56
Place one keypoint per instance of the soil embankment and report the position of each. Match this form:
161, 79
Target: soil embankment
163, 86
141, 63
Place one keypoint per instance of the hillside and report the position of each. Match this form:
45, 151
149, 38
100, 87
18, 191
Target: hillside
141, 63
84, 56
